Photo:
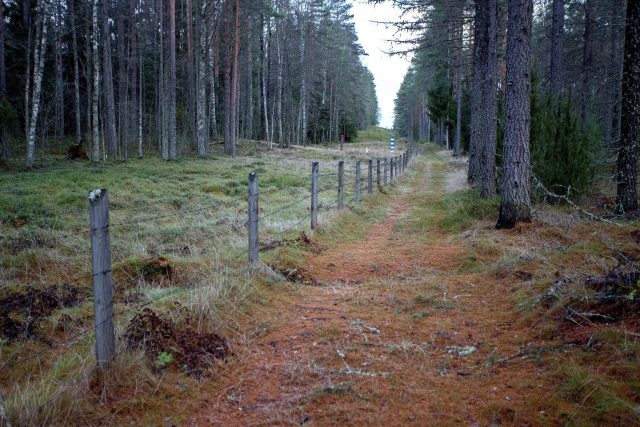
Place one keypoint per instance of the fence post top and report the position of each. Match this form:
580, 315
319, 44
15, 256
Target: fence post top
253, 174
96, 195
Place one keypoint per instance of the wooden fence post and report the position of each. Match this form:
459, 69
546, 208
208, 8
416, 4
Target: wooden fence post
253, 218
341, 184
370, 178
386, 170
357, 181
315, 174
378, 172
392, 171
101, 269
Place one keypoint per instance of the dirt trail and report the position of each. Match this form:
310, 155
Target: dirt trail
399, 334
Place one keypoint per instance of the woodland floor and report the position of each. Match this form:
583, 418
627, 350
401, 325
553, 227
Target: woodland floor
403, 328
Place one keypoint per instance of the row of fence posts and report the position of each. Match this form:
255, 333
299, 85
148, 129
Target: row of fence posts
395, 166
101, 245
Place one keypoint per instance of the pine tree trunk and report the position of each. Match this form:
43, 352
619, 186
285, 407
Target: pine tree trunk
228, 138
88, 72
264, 72
458, 33
213, 125
191, 77
488, 133
557, 39
76, 74
123, 110
38, 68
109, 103
249, 121
59, 101
587, 60
133, 71
234, 78
162, 84
95, 141
202, 122
515, 204
303, 91
3, 77
627, 198
171, 80
616, 63
279, 87
479, 73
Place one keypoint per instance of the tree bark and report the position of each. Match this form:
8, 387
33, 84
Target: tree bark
515, 204
234, 78
557, 38
171, 90
191, 78
3, 78
95, 141
202, 122
123, 110
228, 138
303, 89
133, 71
627, 197
480, 53
59, 90
38, 67
458, 34
109, 103
587, 60
488, 133
162, 84
279, 86
616, 64
249, 115
264, 72
76, 74
213, 125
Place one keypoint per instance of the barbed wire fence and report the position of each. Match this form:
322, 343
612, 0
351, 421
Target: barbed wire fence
379, 173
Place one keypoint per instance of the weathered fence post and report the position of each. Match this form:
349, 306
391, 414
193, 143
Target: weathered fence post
253, 218
101, 269
315, 174
341, 184
386, 170
370, 178
358, 182
378, 172
392, 171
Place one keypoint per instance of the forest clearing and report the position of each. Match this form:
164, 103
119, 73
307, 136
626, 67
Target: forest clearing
408, 308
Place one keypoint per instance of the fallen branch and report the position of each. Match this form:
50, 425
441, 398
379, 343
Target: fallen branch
565, 198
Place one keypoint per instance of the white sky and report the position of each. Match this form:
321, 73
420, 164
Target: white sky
388, 71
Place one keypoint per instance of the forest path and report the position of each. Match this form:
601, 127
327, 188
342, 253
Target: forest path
400, 332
